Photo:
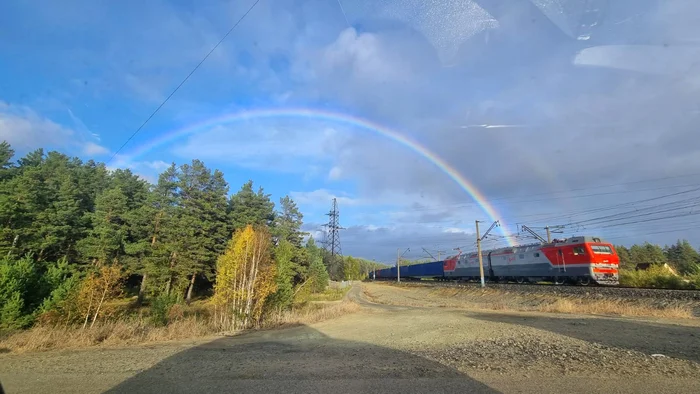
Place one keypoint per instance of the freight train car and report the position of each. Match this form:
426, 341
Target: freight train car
416, 271
581, 260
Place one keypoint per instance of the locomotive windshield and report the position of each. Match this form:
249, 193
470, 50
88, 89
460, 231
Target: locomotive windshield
601, 249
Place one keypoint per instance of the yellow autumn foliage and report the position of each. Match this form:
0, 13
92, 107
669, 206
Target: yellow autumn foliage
245, 276
99, 286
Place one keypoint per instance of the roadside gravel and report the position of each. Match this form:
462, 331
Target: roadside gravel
400, 341
527, 353
540, 344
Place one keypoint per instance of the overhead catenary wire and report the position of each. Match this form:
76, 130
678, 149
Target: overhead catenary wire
552, 198
554, 218
596, 209
625, 204
682, 204
182, 82
649, 220
549, 193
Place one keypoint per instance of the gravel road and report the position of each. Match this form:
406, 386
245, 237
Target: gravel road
387, 348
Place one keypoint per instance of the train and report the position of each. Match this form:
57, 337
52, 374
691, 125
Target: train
581, 260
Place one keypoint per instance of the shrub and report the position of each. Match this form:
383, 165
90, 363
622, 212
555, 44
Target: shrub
160, 309
318, 276
657, 276
20, 292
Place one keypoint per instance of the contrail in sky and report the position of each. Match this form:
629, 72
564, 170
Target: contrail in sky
492, 126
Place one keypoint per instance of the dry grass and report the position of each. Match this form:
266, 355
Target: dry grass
140, 330
312, 313
123, 332
495, 299
614, 307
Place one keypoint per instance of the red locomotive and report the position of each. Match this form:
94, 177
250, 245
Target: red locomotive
581, 260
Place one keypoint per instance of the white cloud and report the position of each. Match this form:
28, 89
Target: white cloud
631, 116
25, 129
444, 24
322, 197
157, 165
335, 173
364, 58
148, 170
280, 145
93, 149
380, 241
455, 230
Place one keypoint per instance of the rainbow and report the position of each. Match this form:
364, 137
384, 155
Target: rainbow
331, 117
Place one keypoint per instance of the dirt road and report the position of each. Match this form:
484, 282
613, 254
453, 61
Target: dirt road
389, 347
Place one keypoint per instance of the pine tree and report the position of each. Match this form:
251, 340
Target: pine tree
136, 245
20, 292
647, 254
247, 207
202, 220
105, 242
7, 168
162, 214
22, 200
43, 206
62, 224
315, 269
683, 257
288, 222
625, 258
318, 275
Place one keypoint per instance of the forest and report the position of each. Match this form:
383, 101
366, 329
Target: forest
81, 245
76, 236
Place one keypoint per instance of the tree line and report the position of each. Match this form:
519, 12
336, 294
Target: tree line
681, 257
675, 266
75, 234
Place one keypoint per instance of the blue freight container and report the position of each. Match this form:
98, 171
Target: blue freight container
426, 270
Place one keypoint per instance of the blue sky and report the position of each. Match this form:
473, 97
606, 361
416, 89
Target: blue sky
598, 97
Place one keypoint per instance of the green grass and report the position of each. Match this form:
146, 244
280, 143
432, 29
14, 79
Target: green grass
329, 295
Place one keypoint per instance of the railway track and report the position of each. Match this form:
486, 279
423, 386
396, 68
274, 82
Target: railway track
564, 290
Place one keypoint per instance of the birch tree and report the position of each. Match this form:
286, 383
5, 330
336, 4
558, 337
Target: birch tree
245, 277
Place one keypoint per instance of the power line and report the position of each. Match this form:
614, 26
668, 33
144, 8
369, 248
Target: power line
682, 204
553, 198
183, 81
649, 220
620, 205
667, 231
578, 213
